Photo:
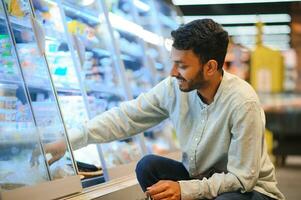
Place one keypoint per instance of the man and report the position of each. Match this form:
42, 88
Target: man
218, 120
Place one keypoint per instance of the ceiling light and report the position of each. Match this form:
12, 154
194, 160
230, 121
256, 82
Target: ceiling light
281, 47
252, 30
206, 2
243, 19
86, 2
168, 44
122, 24
280, 38
141, 5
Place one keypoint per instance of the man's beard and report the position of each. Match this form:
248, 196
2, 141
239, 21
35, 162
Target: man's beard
189, 85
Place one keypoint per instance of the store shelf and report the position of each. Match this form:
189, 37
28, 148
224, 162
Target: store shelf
56, 36
128, 57
10, 79
20, 22
95, 87
101, 52
17, 137
82, 12
68, 90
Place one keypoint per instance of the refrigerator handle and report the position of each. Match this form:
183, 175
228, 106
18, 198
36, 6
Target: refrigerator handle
40, 34
80, 48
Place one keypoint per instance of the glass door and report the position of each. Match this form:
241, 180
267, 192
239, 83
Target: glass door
65, 67
101, 71
129, 37
29, 116
161, 138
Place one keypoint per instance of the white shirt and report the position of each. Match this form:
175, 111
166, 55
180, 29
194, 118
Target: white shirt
222, 143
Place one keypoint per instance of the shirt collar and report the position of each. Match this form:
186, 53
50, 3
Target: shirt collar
218, 93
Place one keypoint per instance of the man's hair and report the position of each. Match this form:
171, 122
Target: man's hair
206, 38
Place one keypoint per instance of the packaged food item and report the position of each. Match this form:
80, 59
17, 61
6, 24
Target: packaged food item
18, 8
8, 102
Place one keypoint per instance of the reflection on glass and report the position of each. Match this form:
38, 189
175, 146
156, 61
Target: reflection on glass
18, 134
63, 60
131, 47
43, 102
101, 77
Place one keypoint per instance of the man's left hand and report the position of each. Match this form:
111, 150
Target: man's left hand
165, 190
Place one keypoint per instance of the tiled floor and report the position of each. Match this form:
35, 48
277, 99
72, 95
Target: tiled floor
289, 178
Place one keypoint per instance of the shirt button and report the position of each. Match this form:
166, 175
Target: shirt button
196, 139
191, 158
202, 121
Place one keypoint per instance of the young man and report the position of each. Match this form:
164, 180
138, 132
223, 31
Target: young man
218, 120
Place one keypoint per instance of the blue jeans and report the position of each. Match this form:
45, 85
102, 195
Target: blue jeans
152, 168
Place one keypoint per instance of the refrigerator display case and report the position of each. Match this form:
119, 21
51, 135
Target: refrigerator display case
101, 72
71, 94
85, 73
155, 52
29, 113
128, 34
160, 139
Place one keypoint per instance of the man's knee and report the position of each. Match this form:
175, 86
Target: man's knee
146, 164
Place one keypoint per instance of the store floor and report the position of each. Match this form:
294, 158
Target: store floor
289, 178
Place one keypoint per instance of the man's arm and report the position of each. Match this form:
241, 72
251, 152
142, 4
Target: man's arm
129, 118
126, 120
243, 157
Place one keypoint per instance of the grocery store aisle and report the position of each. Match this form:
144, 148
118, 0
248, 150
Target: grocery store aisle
289, 178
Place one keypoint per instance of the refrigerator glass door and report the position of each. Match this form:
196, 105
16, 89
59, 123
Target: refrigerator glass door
39, 89
101, 73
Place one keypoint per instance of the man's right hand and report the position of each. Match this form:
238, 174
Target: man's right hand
57, 150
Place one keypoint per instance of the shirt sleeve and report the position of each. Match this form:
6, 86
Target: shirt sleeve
130, 118
243, 157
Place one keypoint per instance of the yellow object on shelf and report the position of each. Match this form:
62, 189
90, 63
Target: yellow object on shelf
267, 70
76, 27
269, 141
15, 8
267, 67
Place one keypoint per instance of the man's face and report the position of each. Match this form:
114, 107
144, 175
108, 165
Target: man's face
188, 70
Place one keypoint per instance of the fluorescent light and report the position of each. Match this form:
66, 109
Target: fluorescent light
252, 30
86, 2
151, 37
243, 19
82, 14
141, 5
249, 39
279, 41
124, 25
168, 44
207, 2
281, 47
51, 2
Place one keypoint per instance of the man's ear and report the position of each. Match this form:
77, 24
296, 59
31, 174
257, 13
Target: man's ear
212, 67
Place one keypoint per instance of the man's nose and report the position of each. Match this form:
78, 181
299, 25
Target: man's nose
174, 72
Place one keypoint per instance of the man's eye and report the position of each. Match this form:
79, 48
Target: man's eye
182, 66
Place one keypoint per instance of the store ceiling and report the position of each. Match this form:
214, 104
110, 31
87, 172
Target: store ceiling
231, 17
236, 9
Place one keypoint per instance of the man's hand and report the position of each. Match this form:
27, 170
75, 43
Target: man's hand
56, 149
165, 190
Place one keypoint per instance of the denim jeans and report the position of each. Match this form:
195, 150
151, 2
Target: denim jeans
152, 168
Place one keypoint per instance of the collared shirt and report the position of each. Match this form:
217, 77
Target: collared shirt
222, 143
